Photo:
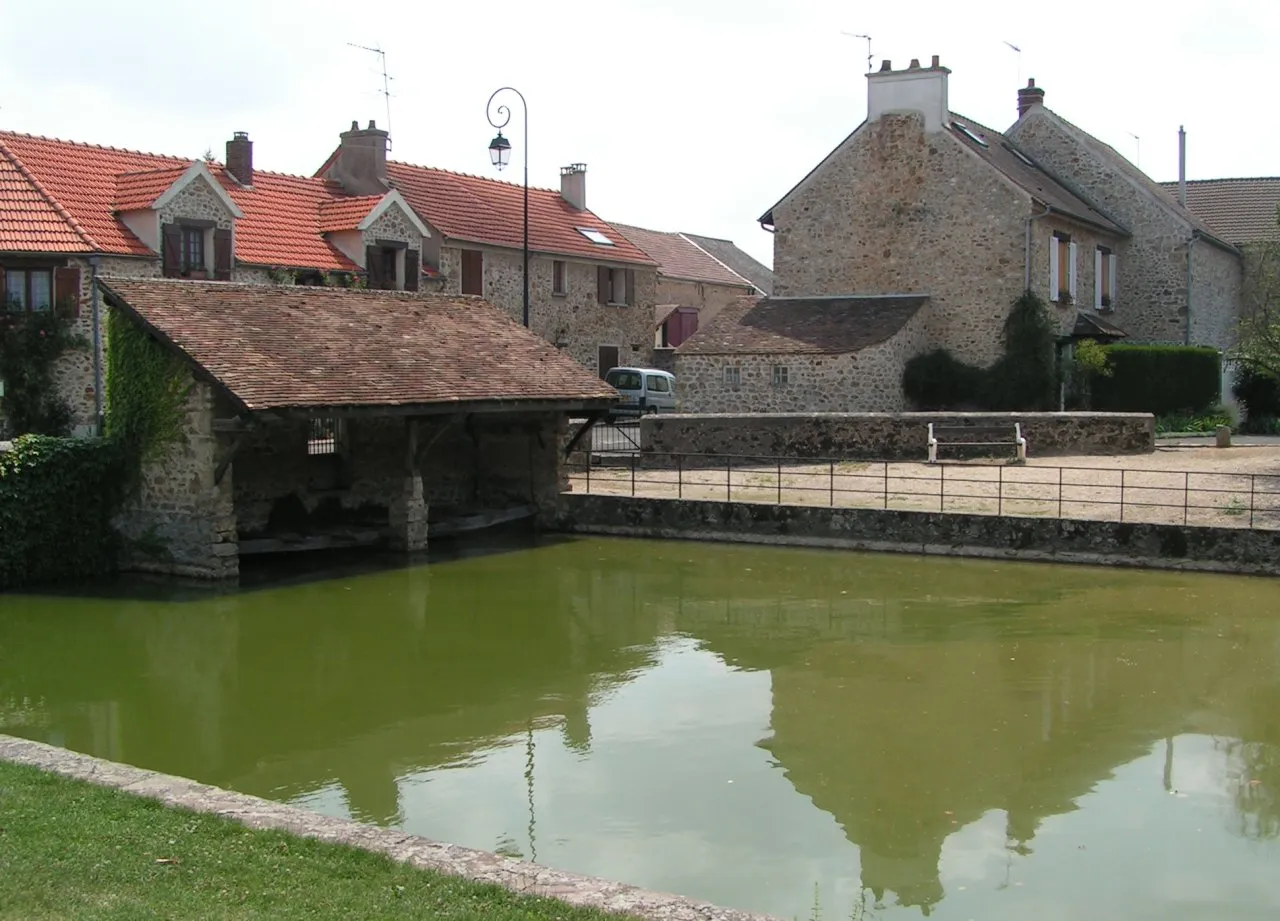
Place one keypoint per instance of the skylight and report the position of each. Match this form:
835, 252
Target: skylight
595, 236
970, 134
1020, 155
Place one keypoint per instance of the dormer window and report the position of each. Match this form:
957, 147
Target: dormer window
392, 266
192, 255
196, 249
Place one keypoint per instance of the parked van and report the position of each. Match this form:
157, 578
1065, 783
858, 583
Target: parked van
644, 390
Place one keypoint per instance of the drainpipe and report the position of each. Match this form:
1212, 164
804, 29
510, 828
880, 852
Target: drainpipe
97, 346
1195, 235
1026, 254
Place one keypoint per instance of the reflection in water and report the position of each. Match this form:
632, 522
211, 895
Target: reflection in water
913, 736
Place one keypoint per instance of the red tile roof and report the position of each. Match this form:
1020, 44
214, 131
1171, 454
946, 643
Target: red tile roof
135, 191
682, 259
488, 211
346, 213
30, 221
1241, 211
280, 347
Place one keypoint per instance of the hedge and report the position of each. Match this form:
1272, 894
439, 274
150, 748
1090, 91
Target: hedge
1159, 379
57, 496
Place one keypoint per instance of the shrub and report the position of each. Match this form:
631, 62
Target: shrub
1026, 376
1259, 395
939, 380
1160, 379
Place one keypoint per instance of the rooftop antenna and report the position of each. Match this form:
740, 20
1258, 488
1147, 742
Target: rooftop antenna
868, 41
1019, 51
386, 80
1138, 161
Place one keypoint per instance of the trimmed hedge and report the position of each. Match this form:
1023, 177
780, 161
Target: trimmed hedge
1159, 379
57, 497
938, 380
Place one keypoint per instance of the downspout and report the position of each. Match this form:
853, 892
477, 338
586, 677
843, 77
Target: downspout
1195, 235
97, 346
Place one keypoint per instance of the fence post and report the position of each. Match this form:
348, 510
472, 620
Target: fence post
1122, 494
728, 478
1059, 493
831, 482
589, 468
633, 476
1253, 479
1000, 491
779, 481
1186, 494
679, 476
885, 484
942, 487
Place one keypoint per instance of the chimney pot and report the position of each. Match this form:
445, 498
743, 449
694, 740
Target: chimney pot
1029, 96
372, 126
573, 185
937, 61
355, 125
240, 157
915, 64
885, 66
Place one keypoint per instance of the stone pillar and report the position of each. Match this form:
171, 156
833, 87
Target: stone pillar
409, 517
549, 476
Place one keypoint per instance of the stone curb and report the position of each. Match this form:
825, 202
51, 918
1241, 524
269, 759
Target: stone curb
482, 866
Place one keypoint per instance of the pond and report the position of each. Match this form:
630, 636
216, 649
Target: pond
799, 732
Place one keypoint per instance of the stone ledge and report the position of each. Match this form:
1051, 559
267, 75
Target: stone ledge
482, 866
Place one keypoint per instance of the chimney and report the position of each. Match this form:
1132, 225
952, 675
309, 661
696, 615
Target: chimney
361, 166
240, 157
573, 185
916, 89
1182, 166
1028, 96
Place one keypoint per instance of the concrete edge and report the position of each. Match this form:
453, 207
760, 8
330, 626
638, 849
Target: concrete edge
519, 876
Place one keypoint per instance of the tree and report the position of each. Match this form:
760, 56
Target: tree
1258, 335
1026, 376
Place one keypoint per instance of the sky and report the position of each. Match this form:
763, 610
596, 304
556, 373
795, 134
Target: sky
691, 115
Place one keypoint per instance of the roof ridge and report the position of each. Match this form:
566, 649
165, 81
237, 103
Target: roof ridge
106, 147
501, 182
1223, 179
44, 193
716, 260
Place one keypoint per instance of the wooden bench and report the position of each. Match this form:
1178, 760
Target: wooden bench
990, 435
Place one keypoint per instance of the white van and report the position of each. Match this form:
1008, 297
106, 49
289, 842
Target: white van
644, 390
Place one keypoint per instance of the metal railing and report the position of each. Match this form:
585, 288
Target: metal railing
1185, 497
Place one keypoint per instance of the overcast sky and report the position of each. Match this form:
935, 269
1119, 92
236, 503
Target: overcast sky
691, 115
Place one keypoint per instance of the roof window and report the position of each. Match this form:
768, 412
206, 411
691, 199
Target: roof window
595, 236
1019, 154
970, 134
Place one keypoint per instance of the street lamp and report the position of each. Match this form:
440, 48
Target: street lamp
500, 154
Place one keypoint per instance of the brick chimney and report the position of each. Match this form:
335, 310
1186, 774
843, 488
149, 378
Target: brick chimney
1030, 95
361, 165
240, 157
916, 89
573, 185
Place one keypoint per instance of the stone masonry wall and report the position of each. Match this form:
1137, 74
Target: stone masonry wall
575, 321
1087, 241
180, 522
1216, 282
197, 202
1152, 266
869, 380
708, 298
394, 224
886, 436
899, 211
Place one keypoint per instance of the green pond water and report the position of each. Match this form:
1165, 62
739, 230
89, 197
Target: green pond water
788, 731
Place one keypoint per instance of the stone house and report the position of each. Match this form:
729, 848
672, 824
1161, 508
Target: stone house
591, 290
693, 285
321, 417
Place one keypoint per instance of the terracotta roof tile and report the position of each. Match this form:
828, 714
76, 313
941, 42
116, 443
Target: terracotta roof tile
29, 220
488, 211
679, 258
346, 213
276, 347
1241, 211
135, 191
803, 325
738, 261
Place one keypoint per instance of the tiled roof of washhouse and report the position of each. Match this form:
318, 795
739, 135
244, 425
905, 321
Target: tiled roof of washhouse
800, 325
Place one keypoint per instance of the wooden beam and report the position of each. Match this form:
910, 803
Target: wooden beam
592, 419
221, 470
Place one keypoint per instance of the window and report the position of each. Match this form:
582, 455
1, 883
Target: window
1062, 269
322, 436
616, 287
472, 271
733, 376
192, 249
386, 258
655, 383
595, 236
1104, 275
780, 375
28, 289
970, 134
559, 278
623, 380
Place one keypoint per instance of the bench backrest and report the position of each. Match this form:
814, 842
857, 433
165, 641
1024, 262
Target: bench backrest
986, 432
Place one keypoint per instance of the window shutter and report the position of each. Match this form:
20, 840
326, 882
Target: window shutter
222, 254
1071, 271
602, 284
1055, 285
171, 250
1112, 279
66, 292
631, 287
411, 270
373, 266
1097, 278
4, 292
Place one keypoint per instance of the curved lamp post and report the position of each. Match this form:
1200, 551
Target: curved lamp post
500, 154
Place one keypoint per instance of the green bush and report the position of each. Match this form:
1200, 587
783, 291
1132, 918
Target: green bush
1161, 379
1205, 423
1259, 395
57, 498
938, 380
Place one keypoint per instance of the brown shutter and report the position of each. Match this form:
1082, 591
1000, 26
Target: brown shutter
4, 292
631, 286
66, 292
373, 266
602, 284
412, 271
171, 250
222, 254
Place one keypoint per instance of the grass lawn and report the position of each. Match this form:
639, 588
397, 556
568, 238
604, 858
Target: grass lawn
73, 850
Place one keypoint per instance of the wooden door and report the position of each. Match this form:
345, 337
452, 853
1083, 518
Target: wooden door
608, 359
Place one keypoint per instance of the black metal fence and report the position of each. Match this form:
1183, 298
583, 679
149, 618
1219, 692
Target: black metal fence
1243, 500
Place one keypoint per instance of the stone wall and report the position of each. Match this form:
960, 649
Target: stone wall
869, 380
181, 522
887, 436
575, 321
709, 299
897, 211
1152, 264
393, 224
1087, 241
197, 201
1239, 550
1216, 295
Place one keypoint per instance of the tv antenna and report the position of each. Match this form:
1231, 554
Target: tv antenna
868, 41
1019, 53
385, 92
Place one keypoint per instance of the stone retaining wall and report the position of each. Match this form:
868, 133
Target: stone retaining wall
1237, 550
887, 436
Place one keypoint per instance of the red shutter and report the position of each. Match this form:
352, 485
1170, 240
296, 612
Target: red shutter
602, 284
171, 250
222, 254
631, 286
373, 266
412, 271
473, 271
66, 292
